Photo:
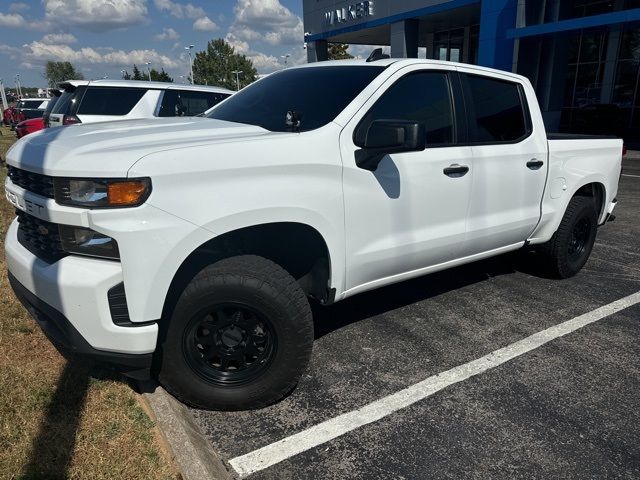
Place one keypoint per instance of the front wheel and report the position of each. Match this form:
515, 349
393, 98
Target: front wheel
570, 247
240, 336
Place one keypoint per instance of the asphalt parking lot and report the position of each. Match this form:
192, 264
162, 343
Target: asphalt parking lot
567, 409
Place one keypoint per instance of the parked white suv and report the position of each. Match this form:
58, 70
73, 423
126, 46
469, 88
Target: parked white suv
108, 100
191, 247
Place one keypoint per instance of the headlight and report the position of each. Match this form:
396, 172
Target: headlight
84, 241
99, 193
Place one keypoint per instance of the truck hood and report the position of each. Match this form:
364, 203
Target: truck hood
109, 149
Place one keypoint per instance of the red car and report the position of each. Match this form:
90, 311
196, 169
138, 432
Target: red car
29, 126
7, 115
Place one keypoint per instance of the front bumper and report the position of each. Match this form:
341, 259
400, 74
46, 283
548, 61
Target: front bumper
64, 336
76, 287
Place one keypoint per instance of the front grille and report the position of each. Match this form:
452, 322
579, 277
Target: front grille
32, 182
40, 237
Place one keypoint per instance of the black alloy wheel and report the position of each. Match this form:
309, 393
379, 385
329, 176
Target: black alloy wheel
579, 238
229, 344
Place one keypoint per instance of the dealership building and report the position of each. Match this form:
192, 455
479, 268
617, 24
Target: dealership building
582, 56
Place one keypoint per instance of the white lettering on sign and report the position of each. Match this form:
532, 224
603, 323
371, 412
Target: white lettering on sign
355, 11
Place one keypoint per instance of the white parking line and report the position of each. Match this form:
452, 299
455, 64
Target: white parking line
323, 432
627, 175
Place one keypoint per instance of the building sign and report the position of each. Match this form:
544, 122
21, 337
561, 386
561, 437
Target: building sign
346, 14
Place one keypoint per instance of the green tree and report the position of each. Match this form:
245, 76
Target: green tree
160, 76
56, 72
137, 74
338, 51
216, 64
156, 76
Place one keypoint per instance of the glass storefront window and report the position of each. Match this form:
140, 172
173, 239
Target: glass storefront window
449, 45
546, 11
627, 82
583, 84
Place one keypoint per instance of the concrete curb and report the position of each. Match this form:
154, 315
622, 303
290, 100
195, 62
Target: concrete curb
192, 452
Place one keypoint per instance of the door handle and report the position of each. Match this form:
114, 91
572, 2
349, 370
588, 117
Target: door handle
535, 164
456, 171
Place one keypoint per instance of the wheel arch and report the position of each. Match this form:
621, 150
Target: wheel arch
595, 190
297, 247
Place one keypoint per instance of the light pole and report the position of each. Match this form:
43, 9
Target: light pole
188, 49
286, 58
237, 73
18, 86
148, 64
3, 97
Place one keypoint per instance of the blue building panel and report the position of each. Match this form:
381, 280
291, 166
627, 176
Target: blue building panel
613, 18
497, 18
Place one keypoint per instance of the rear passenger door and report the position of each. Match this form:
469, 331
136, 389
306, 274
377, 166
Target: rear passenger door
509, 159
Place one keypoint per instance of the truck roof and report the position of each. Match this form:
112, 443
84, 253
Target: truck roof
400, 62
145, 84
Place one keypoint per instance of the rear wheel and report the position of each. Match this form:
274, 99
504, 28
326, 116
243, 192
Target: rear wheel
240, 336
571, 245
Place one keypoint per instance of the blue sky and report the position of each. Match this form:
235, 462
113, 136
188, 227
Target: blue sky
102, 37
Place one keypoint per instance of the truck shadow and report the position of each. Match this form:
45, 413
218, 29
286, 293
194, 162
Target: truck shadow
376, 302
53, 447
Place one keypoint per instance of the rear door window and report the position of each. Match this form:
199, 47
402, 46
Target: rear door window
110, 100
177, 103
498, 113
68, 101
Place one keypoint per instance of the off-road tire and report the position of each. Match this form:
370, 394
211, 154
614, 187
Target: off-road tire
559, 262
262, 286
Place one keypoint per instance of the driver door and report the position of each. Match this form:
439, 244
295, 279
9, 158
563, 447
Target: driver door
410, 213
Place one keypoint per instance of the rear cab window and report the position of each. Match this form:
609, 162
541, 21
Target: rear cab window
114, 101
178, 103
497, 110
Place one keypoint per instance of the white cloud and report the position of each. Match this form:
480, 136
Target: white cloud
204, 24
59, 38
240, 46
268, 20
363, 51
95, 15
265, 63
29, 66
13, 52
266, 23
40, 53
167, 34
14, 20
18, 7
180, 10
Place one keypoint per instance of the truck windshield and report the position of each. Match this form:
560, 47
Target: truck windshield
316, 94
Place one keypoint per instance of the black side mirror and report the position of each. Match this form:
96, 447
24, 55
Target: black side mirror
390, 136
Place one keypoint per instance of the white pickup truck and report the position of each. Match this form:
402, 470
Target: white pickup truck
191, 247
